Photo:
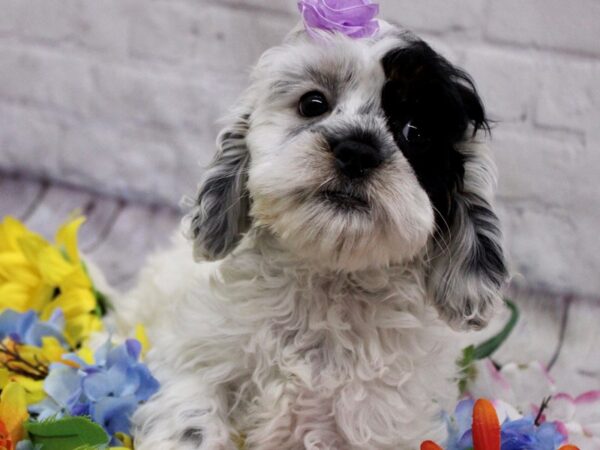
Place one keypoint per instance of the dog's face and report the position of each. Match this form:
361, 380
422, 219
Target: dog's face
358, 154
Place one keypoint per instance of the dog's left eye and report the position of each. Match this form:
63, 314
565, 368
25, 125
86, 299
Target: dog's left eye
313, 104
413, 133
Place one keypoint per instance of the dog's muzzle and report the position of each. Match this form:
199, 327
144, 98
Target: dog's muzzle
355, 158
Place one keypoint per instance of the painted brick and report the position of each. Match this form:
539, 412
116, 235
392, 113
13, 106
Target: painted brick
45, 20
285, 6
45, 78
104, 26
553, 24
541, 245
97, 26
29, 135
136, 87
167, 31
434, 15
532, 166
569, 95
8, 18
506, 82
213, 36
139, 97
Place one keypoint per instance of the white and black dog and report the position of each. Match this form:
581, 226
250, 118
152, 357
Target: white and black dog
344, 229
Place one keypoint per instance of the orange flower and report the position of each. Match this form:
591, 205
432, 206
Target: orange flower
486, 427
13, 412
5, 440
430, 445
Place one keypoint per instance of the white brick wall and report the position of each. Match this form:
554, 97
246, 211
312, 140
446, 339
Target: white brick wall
123, 96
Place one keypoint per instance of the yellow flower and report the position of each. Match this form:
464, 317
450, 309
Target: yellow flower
13, 413
125, 439
142, 337
28, 365
34, 389
37, 275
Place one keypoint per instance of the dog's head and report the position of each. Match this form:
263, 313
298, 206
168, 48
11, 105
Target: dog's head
358, 154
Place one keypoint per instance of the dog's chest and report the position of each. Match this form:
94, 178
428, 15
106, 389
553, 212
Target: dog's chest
343, 355
334, 331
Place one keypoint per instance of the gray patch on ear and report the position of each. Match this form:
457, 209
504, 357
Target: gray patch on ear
221, 212
468, 267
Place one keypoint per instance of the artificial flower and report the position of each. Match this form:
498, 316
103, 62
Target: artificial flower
494, 426
580, 416
108, 391
523, 386
38, 276
527, 385
27, 348
13, 413
27, 328
354, 18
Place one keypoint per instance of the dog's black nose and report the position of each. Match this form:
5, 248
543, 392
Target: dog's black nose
355, 158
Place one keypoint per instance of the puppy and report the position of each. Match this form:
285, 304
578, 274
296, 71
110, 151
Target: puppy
342, 234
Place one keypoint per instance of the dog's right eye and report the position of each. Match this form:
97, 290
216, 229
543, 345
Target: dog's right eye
313, 104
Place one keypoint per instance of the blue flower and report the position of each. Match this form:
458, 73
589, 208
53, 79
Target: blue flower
26, 328
108, 391
524, 434
519, 434
459, 426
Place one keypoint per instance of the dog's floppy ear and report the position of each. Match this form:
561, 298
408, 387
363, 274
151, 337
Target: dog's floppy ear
468, 267
465, 260
220, 214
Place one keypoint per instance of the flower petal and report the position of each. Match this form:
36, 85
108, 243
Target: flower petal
562, 407
530, 384
588, 409
114, 413
63, 385
486, 428
13, 410
66, 237
97, 386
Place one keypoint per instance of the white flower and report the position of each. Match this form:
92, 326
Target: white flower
580, 416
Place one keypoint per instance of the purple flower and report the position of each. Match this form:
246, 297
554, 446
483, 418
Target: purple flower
354, 18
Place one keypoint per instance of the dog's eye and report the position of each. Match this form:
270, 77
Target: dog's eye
313, 104
413, 133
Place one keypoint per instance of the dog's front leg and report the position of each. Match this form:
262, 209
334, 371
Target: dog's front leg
183, 416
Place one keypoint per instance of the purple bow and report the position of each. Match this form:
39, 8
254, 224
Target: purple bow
354, 18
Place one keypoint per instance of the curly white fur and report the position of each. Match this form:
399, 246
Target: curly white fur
263, 344
320, 326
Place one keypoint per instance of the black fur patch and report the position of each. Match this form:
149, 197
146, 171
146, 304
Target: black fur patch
193, 435
440, 99
487, 258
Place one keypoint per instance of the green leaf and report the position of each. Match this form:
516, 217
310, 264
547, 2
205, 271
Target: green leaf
69, 433
103, 304
487, 348
467, 369
484, 350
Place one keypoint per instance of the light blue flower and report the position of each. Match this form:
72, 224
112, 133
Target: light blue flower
27, 445
108, 391
63, 389
26, 328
